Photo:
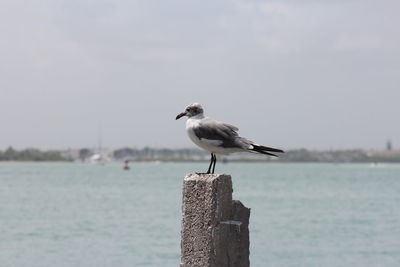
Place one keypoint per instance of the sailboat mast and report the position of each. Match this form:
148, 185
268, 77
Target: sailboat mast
99, 137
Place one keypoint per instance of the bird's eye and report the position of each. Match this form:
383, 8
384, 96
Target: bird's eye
188, 109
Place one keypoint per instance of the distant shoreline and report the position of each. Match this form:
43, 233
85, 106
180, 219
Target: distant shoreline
196, 155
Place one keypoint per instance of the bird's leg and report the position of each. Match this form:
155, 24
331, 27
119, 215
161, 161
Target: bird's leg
211, 162
215, 162
211, 166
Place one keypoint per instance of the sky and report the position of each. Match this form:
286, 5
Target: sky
289, 73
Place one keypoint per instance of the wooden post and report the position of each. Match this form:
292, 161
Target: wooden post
214, 228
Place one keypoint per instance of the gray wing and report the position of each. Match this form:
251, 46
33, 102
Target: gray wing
213, 130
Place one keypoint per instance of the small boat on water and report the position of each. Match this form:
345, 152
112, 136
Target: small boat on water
99, 159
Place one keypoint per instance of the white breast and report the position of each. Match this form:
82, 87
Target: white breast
191, 123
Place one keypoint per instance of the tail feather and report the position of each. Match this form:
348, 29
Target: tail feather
265, 150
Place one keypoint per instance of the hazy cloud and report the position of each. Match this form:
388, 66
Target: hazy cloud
288, 73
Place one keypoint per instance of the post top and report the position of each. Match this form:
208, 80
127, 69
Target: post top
204, 176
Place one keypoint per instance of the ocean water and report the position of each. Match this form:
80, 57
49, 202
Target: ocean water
71, 214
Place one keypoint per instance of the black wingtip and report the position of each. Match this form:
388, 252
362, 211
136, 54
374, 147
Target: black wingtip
265, 150
271, 149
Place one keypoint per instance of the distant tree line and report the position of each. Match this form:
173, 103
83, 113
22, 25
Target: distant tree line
356, 156
30, 154
192, 154
298, 155
163, 154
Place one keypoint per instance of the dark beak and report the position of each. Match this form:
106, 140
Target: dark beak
180, 115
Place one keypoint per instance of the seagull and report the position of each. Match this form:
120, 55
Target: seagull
218, 137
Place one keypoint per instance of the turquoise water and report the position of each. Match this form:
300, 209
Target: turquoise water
68, 214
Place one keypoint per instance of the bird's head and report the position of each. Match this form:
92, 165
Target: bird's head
191, 110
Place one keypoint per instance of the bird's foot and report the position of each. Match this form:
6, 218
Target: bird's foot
201, 173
